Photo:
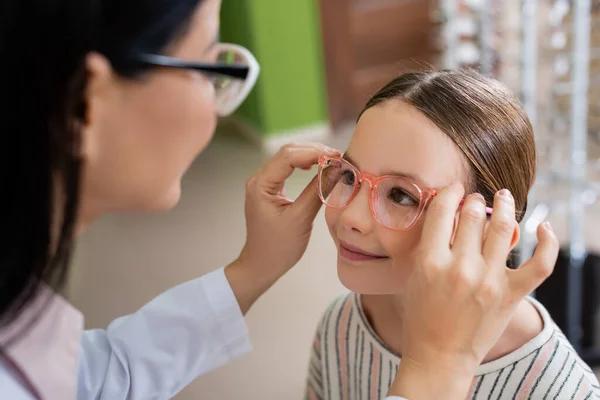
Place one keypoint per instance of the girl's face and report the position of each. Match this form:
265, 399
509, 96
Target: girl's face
390, 138
142, 134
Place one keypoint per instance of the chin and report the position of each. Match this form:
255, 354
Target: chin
165, 202
171, 198
375, 279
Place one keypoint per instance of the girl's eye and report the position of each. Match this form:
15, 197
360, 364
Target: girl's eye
348, 177
401, 197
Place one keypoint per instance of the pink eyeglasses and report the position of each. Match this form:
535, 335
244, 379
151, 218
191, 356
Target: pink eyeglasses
396, 202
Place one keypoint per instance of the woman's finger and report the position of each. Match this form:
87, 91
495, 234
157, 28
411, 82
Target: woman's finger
308, 203
439, 218
471, 223
534, 271
274, 173
501, 229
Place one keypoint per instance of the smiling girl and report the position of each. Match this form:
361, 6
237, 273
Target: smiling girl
419, 133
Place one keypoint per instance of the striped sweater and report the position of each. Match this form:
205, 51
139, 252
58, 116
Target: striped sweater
350, 362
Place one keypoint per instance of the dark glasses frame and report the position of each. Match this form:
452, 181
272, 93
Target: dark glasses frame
232, 71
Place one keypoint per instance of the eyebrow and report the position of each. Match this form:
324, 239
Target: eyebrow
412, 177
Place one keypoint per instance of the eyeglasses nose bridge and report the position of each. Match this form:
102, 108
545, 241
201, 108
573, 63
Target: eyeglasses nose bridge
372, 181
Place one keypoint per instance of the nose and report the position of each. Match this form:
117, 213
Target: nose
357, 215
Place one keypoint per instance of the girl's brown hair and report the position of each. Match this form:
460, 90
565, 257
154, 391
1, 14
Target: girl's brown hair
483, 118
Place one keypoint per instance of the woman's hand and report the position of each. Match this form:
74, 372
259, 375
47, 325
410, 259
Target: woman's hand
277, 229
460, 299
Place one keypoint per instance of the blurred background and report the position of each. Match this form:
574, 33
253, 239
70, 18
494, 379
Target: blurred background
321, 60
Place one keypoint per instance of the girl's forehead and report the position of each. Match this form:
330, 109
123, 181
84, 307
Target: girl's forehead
394, 137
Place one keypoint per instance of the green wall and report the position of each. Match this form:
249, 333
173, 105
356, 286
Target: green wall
285, 37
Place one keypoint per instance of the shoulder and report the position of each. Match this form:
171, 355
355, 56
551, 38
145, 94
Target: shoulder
548, 367
561, 372
339, 307
11, 387
529, 327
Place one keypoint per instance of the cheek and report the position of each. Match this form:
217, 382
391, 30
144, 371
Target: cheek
153, 136
192, 117
401, 245
402, 248
332, 217
183, 124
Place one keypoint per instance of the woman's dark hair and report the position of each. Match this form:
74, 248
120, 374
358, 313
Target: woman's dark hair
43, 47
485, 121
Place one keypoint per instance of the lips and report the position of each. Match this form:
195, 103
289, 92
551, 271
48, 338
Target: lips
354, 253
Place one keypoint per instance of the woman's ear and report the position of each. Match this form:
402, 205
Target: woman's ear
97, 94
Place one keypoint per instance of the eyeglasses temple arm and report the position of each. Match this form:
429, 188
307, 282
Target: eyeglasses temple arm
232, 70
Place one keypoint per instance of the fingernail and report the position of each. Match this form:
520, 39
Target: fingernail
505, 192
548, 226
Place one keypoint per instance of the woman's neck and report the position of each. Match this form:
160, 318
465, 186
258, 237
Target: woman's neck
385, 320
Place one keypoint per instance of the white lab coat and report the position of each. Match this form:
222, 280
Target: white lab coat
152, 354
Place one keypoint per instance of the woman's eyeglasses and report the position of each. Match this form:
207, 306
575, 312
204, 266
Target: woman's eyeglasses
233, 75
396, 202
